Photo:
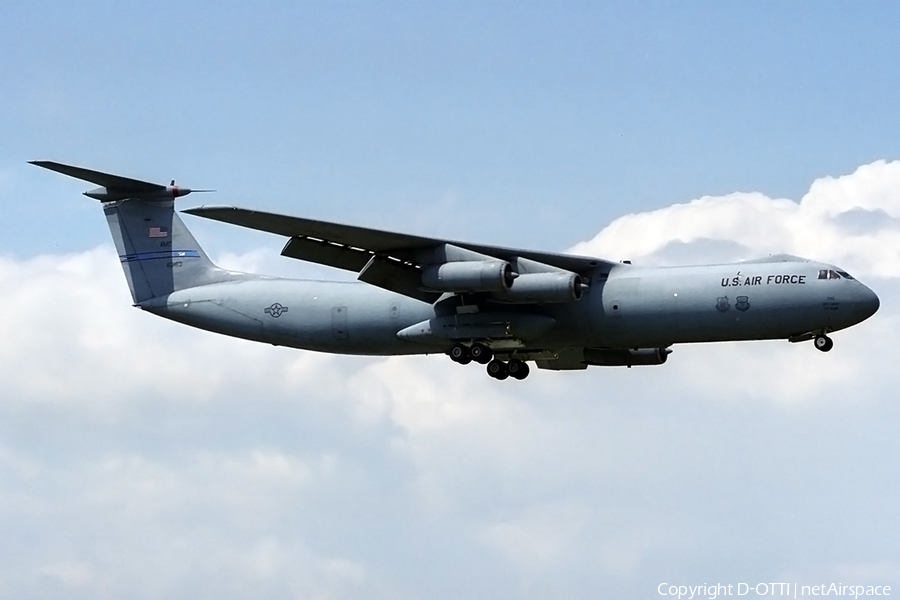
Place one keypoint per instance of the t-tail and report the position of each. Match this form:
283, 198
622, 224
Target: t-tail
158, 253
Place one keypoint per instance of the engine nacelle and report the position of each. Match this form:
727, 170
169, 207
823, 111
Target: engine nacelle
542, 288
469, 276
627, 357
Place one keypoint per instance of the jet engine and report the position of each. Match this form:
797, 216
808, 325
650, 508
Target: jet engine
469, 276
541, 288
625, 358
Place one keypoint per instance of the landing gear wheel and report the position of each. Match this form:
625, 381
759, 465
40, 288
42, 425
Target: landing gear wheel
480, 353
459, 353
517, 369
497, 370
824, 343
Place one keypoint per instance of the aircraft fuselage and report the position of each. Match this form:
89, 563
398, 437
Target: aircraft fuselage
632, 307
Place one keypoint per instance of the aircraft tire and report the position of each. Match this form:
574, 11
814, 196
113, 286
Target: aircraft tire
824, 343
459, 353
498, 370
518, 369
481, 353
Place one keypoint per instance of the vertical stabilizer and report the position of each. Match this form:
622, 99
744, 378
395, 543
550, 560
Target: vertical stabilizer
157, 251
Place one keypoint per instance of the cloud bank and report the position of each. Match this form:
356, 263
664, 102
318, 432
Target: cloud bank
140, 458
852, 220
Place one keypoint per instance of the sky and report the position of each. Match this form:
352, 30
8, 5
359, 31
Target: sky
143, 459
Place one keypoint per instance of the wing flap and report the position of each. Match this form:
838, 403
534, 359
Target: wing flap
327, 253
396, 277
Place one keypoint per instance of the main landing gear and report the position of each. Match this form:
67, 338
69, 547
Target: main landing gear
460, 354
823, 343
517, 369
465, 354
480, 353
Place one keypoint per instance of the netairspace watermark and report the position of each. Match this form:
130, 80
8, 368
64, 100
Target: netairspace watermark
789, 590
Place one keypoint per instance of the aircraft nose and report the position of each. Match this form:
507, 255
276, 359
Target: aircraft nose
865, 303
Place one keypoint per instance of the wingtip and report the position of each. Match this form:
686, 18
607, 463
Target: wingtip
46, 164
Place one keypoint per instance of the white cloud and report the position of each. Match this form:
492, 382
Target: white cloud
70, 574
823, 225
73, 337
540, 537
142, 458
135, 526
865, 573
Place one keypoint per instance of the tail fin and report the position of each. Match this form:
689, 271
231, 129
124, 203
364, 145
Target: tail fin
158, 253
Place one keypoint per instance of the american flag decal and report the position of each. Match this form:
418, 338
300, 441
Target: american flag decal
159, 232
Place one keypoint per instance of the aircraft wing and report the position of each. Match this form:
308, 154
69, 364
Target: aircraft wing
383, 258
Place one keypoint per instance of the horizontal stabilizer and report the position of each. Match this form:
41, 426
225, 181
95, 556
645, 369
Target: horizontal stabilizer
115, 187
102, 179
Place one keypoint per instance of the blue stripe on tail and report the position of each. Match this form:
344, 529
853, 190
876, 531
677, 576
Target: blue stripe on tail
160, 254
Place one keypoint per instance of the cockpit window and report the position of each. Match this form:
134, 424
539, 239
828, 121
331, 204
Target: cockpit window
829, 274
845, 274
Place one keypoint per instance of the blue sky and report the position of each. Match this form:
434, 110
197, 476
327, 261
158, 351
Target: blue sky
142, 459
515, 115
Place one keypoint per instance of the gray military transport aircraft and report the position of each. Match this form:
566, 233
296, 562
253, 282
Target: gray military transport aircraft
500, 307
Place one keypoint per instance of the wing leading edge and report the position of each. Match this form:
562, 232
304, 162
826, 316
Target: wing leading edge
383, 258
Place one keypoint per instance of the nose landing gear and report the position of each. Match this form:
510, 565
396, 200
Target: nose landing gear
823, 343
